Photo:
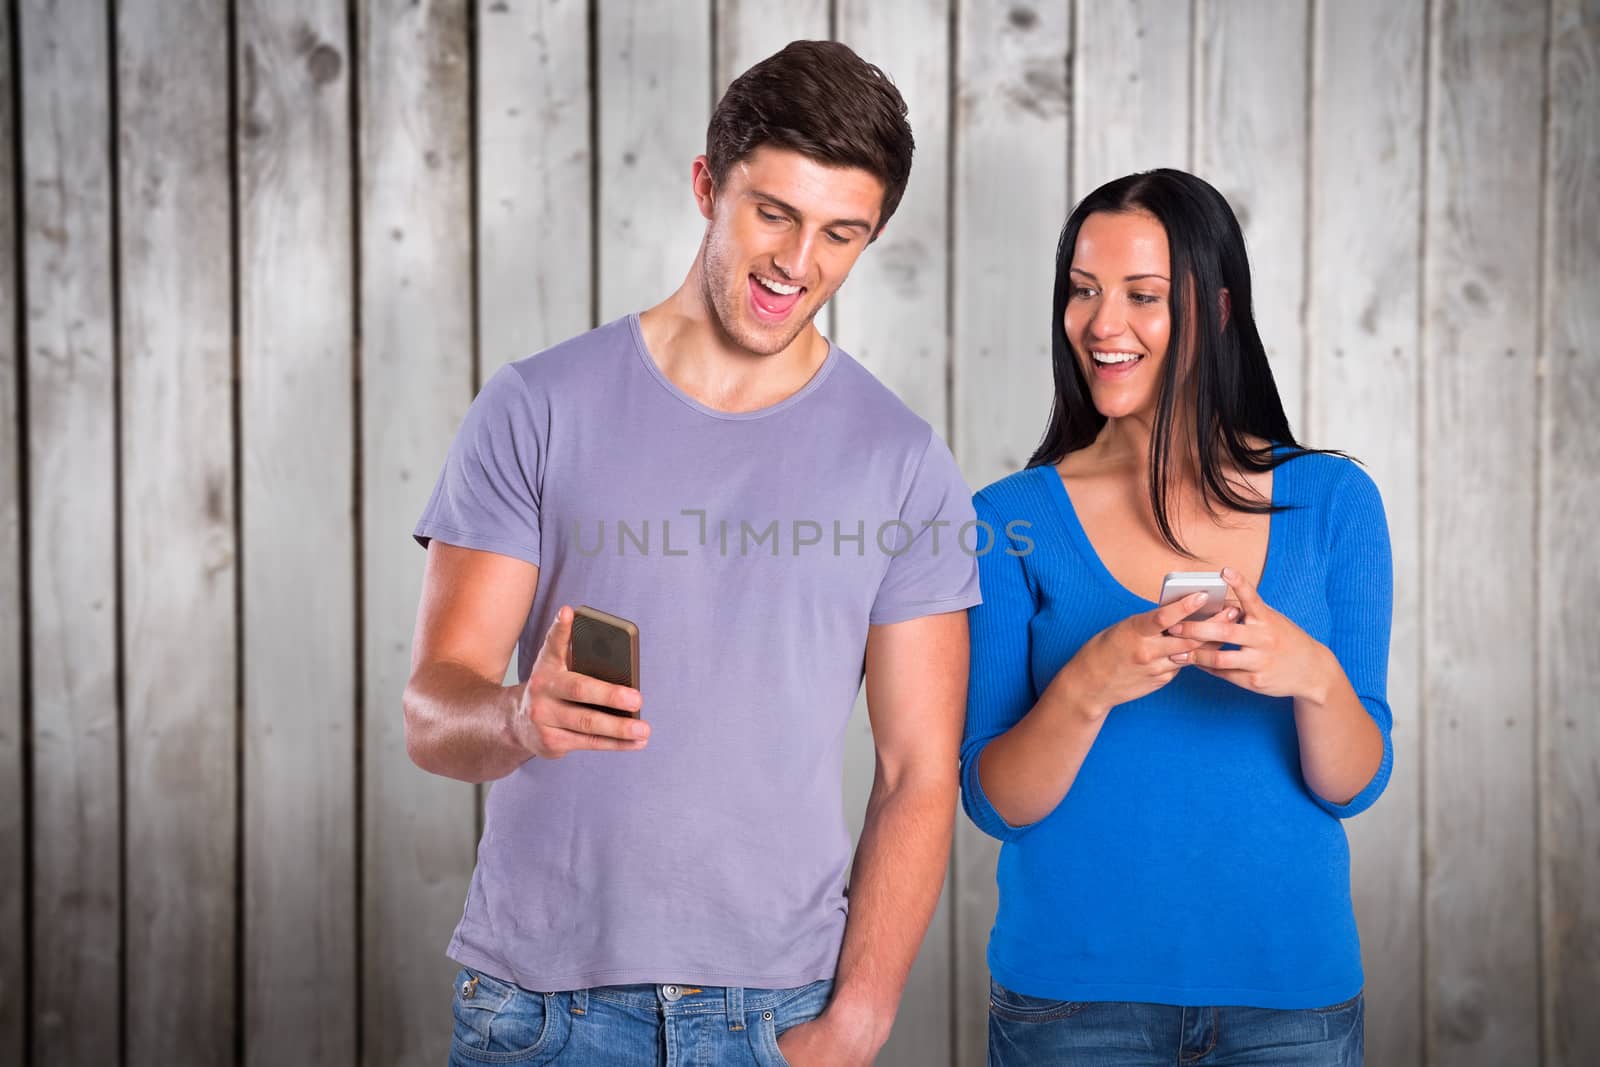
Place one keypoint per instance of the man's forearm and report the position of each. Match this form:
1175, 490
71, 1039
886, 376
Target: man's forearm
460, 726
898, 873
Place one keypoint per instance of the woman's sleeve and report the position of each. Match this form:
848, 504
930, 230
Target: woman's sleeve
1361, 605
1000, 683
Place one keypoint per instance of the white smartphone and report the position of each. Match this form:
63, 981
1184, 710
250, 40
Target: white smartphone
1179, 584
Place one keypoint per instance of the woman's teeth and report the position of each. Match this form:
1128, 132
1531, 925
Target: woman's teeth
1109, 358
777, 287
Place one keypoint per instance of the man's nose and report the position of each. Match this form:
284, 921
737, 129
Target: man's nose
794, 258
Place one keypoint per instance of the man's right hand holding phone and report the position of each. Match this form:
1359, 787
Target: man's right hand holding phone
552, 718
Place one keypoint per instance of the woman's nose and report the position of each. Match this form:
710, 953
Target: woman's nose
1108, 319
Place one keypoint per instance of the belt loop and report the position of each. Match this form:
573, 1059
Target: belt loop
580, 1002
735, 997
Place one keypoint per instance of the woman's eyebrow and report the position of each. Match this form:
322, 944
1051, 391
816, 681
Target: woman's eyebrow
1129, 278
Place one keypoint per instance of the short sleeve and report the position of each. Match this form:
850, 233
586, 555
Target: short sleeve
487, 496
930, 571
1361, 603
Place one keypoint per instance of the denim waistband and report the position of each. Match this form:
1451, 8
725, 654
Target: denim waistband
689, 1000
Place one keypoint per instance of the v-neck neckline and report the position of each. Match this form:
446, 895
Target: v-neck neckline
1080, 536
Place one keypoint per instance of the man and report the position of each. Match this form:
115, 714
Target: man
670, 888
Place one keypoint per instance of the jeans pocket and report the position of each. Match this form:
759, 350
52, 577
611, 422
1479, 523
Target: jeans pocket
1344, 1005
1021, 1008
803, 1004
497, 1022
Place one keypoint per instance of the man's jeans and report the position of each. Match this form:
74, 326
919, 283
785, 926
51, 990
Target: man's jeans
1032, 1031
626, 1026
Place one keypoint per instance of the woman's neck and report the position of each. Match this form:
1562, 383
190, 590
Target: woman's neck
1125, 440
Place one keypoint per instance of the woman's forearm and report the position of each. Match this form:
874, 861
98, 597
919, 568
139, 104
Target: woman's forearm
1026, 771
1341, 747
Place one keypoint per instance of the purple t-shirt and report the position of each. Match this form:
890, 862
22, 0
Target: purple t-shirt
753, 550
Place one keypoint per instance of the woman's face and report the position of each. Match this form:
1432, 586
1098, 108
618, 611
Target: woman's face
1119, 318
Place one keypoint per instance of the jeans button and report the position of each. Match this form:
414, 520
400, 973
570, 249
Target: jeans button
671, 993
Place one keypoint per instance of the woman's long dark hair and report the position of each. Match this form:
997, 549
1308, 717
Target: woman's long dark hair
1234, 394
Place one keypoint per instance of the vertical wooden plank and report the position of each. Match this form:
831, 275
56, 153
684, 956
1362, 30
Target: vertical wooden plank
534, 167
749, 31
1569, 568
1250, 142
1011, 90
416, 382
1481, 255
178, 550
71, 456
1130, 89
654, 98
1012, 93
297, 472
893, 317
13, 810
1362, 373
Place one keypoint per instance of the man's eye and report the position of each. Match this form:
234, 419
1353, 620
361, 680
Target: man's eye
837, 238
769, 216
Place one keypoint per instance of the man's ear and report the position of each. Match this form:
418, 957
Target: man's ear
1225, 306
705, 189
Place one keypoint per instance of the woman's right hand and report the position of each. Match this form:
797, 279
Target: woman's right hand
1131, 659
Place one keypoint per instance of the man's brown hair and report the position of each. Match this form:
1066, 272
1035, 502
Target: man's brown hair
822, 100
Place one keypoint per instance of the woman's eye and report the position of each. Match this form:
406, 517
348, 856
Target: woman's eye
1146, 298
1079, 292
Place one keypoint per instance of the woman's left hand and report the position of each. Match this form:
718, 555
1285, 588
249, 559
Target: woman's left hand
1275, 657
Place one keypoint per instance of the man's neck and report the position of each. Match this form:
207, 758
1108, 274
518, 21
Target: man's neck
697, 356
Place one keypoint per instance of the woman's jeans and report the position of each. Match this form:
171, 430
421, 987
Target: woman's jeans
1033, 1031
626, 1026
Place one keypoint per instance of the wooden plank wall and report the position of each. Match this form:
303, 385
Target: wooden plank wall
72, 583
1480, 337
416, 377
296, 476
256, 259
1569, 566
177, 460
1363, 386
13, 884
1012, 103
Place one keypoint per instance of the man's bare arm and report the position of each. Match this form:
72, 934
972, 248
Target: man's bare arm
461, 722
916, 698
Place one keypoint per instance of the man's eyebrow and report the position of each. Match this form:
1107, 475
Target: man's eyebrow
860, 224
1129, 278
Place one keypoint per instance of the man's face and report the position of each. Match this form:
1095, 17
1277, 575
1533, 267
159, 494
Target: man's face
784, 232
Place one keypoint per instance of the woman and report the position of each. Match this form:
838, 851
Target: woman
1174, 879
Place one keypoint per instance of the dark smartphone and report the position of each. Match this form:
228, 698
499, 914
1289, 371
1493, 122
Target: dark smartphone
606, 647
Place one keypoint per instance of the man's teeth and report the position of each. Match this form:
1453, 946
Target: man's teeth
1115, 357
777, 287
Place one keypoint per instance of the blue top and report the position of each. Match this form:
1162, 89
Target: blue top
1189, 863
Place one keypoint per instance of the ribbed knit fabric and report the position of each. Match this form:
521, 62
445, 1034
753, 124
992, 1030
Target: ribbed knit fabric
1189, 863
